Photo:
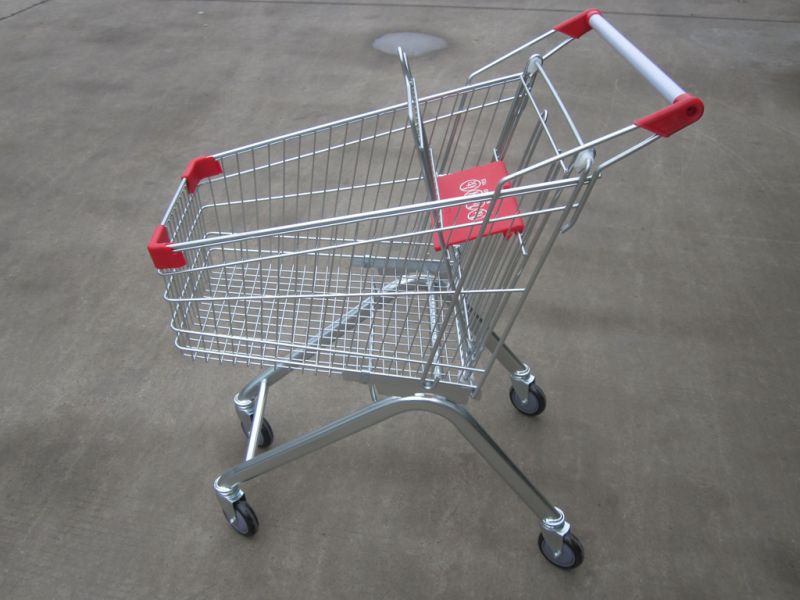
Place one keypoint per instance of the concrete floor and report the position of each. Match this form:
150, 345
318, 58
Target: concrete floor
665, 328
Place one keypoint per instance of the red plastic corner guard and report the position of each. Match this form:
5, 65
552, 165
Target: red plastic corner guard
163, 256
685, 110
198, 169
576, 26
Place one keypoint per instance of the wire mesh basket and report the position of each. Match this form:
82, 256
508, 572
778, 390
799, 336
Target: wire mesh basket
396, 248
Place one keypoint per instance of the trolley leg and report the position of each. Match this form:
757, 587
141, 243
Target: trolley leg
521, 374
246, 400
251, 410
249, 393
552, 521
523, 381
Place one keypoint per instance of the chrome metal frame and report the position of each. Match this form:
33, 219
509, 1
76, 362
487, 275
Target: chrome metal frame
312, 249
227, 486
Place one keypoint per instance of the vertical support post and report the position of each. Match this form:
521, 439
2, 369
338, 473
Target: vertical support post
255, 426
516, 110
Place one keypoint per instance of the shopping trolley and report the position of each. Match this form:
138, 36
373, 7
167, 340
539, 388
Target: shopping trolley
394, 248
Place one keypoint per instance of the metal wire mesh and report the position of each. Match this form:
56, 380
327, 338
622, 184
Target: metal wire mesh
316, 250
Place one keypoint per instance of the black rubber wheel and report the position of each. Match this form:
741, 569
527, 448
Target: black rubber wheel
246, 522
535, 404
571, 554
265, 436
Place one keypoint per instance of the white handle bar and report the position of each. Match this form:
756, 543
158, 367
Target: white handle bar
636, 58
684, 109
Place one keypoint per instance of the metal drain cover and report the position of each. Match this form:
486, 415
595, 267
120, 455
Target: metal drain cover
415, 44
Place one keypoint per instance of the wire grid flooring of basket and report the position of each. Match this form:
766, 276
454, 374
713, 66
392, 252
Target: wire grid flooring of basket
268, 314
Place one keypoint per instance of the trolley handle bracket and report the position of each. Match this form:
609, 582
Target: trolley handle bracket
198, 169
683, 110
162, 255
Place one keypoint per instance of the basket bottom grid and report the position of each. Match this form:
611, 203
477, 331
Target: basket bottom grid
386, 322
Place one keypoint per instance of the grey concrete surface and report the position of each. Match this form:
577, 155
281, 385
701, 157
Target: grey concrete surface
665, 327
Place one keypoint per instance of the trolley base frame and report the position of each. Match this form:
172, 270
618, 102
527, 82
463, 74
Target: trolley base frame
251, 409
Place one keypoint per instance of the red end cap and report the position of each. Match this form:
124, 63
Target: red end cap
163, 256
576, 26
685, 110
200, 168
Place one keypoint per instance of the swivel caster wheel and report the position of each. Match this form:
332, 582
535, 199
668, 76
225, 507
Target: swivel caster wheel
531, 406
265, 435
571, 554
245, 521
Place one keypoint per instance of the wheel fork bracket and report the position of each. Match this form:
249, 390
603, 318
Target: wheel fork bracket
554, 530
521, 381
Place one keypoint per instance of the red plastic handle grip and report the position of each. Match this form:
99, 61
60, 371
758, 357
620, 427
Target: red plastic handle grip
576, 26
162, 255
683, 112
198, 169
